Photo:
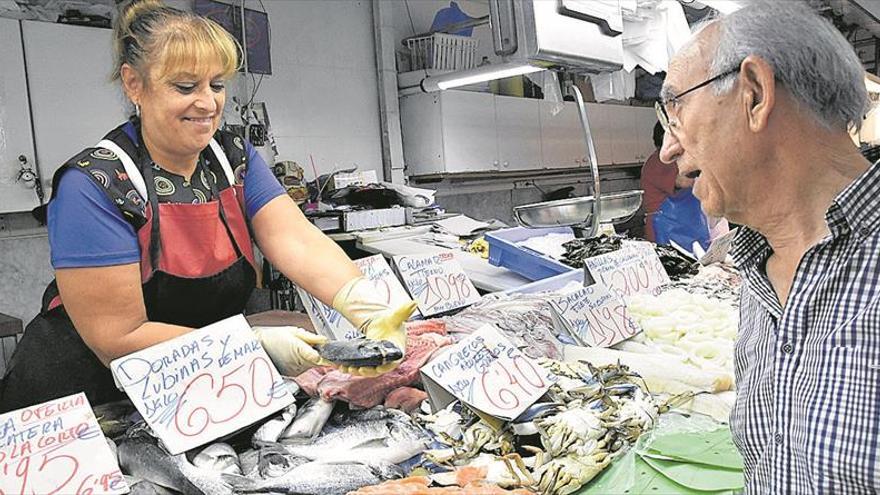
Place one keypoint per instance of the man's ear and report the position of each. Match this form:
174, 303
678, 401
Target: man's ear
758, 86
132, 83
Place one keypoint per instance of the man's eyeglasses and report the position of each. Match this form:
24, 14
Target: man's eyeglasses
660, 105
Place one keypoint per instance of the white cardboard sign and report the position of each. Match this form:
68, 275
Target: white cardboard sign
634, 269
202, 385
488, 373
436, 281
595, 316
719, 248
57, 447
330, 323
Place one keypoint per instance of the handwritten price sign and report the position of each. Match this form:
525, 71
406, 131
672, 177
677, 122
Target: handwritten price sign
634, 269
329, 322
56, 448
595, 316
202, 385
488, 373
437, 282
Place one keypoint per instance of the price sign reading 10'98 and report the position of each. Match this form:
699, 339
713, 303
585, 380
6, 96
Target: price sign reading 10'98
436, 281
202, 385
488, 373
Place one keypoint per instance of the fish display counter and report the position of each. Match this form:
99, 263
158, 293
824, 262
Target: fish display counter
612, 419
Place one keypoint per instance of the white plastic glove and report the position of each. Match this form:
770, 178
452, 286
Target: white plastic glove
358, 302
290, 348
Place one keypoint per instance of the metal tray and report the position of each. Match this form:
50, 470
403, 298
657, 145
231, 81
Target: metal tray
615, 208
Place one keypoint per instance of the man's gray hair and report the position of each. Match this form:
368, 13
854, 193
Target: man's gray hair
809, 56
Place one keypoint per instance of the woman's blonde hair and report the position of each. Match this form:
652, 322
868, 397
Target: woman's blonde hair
152, 37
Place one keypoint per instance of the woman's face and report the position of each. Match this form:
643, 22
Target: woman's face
180, 114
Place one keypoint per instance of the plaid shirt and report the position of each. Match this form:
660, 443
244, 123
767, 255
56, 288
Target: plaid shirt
807, 412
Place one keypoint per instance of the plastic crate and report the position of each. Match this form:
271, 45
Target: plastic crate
504, 251
442, 52
550, 284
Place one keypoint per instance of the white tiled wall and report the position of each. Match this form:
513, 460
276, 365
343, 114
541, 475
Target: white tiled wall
322, 95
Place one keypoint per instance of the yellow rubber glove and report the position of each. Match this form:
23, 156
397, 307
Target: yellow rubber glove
358, 302
290, 348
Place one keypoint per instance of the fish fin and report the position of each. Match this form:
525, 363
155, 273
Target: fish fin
239, 482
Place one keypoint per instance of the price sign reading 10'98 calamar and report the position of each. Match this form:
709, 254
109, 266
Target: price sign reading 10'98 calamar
436, 281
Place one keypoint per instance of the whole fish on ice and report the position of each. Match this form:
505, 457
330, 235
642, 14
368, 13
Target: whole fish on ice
321, 478
370, 436
141, 456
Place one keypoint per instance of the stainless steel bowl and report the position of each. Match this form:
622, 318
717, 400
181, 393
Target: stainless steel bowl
616, 208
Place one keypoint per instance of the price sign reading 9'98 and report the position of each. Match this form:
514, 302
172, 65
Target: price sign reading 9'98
56, 448
487, 372
631, 270
202, 385
436, 281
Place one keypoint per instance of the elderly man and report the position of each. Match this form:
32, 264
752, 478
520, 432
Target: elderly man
757, 108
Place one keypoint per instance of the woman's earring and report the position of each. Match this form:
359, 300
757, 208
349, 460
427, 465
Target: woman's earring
137, 110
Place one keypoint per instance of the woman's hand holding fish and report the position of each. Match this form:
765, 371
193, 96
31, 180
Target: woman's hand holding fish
357, 301
290, 348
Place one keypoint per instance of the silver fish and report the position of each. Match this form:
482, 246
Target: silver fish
308, 423
319, 478
144, 487
249, 461
141, 456
372, 436
274, 427
218, 457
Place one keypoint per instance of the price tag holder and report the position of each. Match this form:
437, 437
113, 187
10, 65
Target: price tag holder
436, 281
488, 373
719, 248
329, 322
595, 316
634, 269
202, 385
57, 447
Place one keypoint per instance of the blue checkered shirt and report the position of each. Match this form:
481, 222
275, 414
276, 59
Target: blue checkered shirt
807, 412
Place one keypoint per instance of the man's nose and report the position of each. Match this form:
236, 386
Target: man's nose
671, 148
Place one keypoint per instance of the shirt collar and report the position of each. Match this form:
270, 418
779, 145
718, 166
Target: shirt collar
858, 205
856, 208
749, 248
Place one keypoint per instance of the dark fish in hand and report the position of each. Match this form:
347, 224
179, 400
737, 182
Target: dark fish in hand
360, 352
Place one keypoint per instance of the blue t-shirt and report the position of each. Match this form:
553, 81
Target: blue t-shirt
86, 229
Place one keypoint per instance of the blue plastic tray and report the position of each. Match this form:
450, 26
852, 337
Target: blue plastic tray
504, 251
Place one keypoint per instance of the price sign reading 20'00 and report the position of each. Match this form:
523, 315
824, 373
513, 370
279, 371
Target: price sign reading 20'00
631, 270
436, 281
202, 385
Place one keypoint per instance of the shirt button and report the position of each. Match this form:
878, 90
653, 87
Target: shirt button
777, 438
864, 231
787, 348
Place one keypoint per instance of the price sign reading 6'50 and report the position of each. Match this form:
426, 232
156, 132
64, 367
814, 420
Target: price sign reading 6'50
202, 385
